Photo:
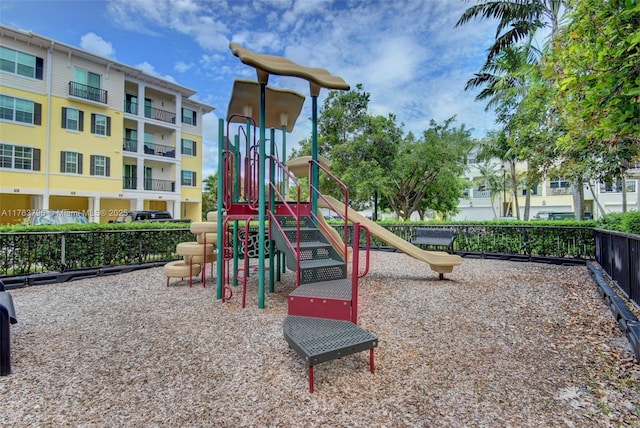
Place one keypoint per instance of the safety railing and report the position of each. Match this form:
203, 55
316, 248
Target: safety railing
619, 255
286, 207
342, 211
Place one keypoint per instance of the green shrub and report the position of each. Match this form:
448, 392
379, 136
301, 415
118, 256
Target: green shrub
622, 222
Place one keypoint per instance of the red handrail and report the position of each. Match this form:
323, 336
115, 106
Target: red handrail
295, 214
247, 164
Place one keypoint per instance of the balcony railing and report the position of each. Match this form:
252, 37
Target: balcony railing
129, 145
130, 183
131, 108
159, 185
87, 92
160, 150
559, 191
161, 115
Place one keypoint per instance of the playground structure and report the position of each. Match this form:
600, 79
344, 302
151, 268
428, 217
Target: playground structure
323, 308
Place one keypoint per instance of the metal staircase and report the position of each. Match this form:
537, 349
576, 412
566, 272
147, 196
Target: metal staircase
324, 290
321, 324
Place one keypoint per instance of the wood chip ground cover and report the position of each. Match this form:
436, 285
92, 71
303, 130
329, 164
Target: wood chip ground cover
497, 343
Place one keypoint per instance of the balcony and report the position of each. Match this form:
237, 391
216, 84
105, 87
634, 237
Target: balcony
559, 191
87, 92
161, 115
129, 183
129, 145
131, 108
159, 185
160, 150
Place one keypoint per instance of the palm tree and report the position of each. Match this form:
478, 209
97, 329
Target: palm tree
520, 18
490, 179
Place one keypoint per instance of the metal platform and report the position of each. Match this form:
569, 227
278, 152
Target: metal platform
318, 340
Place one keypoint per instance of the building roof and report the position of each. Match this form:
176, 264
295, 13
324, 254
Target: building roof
43, 42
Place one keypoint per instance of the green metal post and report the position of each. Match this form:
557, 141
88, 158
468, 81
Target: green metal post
220, 243
261, 196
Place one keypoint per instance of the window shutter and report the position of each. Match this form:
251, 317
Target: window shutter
107, 166
39, 68
193, 179
93, 123
64, 118
195, 152
108, 126
80, 121
63, 161
194, 119
36, 159
37, 114
92, 165
79, 163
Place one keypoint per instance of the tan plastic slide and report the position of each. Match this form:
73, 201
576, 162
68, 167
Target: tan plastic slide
439, 261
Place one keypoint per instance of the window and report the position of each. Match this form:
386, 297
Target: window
87, 85
20, 63
19, 157
72, 119
188, 117
100, 165
19, 110
131, 104
188, 147
100, 124
533, 191
188, 178
615, 186
559, 183
71, 162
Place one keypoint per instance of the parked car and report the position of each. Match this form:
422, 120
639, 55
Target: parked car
40, 217
148, 215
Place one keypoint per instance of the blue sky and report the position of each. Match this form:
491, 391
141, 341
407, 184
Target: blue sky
406, 53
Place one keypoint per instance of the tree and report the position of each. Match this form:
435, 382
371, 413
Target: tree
426, 172
490, 180
210, 194
595, 66
520, 18
361, 147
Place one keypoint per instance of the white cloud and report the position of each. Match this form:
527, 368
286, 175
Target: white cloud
97, 45
149, 69
182, 67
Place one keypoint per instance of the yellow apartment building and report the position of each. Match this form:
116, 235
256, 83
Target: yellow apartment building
86, 133
553, 195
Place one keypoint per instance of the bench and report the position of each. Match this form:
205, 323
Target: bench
7, 317
433, 236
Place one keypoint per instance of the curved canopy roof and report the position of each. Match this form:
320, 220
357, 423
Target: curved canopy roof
284, 67
300, 166
283, 106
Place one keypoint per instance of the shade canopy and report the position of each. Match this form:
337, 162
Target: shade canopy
271, 64
300, 166
283, 106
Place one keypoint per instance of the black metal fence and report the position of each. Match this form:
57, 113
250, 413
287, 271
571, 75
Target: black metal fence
40, 252
569, 245
619, 255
